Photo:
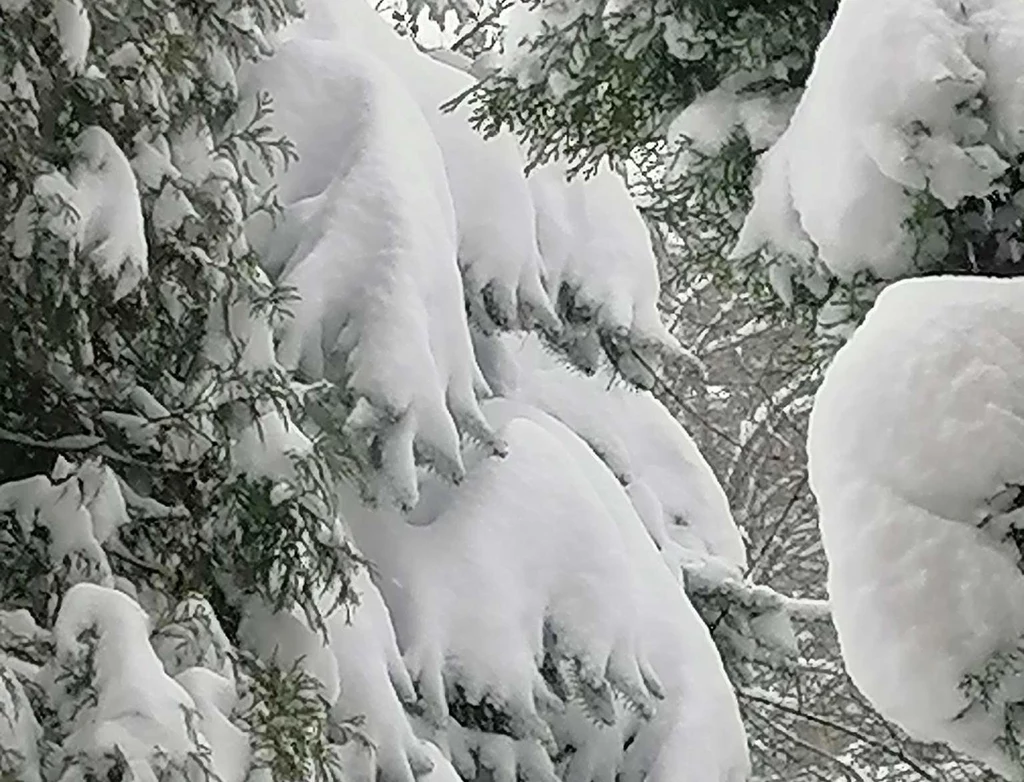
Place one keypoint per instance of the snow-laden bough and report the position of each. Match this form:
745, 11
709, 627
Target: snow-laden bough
367, 240
906, 99
916, 450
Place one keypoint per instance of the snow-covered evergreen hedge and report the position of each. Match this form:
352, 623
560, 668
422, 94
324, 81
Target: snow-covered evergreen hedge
316, 459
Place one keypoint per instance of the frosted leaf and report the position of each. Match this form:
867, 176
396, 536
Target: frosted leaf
374, 685
367, 239
497, 243
915, 458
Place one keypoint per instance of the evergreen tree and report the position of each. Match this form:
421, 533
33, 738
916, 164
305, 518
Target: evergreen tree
220, 317
136, 365
695, 94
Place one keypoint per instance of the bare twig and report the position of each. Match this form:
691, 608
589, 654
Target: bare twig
897, 753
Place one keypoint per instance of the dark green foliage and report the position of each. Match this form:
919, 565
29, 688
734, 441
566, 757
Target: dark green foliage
625, 75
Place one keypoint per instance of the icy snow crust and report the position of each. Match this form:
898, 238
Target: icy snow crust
915, 434
891, 112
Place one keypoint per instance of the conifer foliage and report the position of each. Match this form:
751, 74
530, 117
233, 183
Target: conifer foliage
137, 363
261, 519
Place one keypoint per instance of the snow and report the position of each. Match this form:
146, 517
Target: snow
74, 31
476, 577
189, 635
503, 540
286, 639
20, 732
640, 441
915, 434
709, 121
137, 707
600, 266
497, 244
268, 448
668, 632
891, 113
375, 685
368, 241
215, 697
107, 226
80, 508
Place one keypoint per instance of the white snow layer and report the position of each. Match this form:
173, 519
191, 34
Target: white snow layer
106, 225
477, 576
599, 261
670, 481
78, 507
362, 676
497, 242
368, 241
915, 436
137, 708
891, 111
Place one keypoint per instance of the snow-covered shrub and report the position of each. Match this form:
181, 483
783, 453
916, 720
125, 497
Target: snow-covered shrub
137, 363
905, 167
251, 280
916, 461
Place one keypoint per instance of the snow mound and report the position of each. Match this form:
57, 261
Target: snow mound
79, 507
105, 221
20, 732
518, 566
478, 575
601, 270
916, 461
675, 491
367, 239
285, 639
892, 111
693, 714
215, 697
497, 243
137, 712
